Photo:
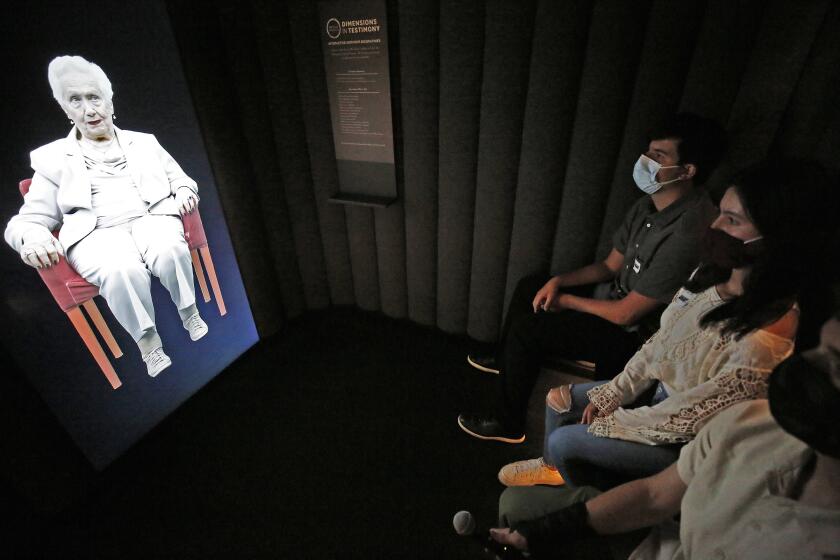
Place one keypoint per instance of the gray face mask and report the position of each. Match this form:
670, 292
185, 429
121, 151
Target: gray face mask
644, 174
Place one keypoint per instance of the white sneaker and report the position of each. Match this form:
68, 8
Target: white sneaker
156, 361
529, 473
195, 326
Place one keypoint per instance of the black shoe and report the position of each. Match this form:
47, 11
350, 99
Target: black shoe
488, 428
483, 363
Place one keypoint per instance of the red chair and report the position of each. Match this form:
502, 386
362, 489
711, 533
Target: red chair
71, 291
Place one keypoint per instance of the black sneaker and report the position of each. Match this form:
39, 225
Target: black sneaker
483, 363
488, 428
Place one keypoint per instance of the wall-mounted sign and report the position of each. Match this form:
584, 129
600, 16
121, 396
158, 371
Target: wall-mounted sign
355, 47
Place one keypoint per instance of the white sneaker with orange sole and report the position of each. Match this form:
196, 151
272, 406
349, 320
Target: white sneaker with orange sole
530, 473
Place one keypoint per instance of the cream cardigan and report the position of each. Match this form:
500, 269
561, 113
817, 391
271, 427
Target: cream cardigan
702, 370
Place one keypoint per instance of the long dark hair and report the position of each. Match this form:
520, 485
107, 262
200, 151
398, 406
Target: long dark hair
792, 206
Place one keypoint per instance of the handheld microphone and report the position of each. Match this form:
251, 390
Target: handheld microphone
465, 526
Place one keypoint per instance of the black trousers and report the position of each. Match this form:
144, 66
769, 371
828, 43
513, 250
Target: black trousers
530, 340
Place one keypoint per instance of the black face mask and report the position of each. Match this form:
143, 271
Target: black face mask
725, 251
806, 404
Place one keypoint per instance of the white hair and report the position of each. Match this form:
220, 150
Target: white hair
63, 65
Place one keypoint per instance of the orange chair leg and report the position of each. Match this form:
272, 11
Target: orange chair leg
100, 323
214, 282
199, 273
84, 330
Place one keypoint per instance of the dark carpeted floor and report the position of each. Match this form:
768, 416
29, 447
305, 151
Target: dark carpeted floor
336, 439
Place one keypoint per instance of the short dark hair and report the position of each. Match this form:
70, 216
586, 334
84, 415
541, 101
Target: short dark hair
700, 141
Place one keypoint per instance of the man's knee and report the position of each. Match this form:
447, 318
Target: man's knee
523, 327
528, 286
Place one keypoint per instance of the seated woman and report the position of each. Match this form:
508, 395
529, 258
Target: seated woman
723, 333
759, 481
116, 195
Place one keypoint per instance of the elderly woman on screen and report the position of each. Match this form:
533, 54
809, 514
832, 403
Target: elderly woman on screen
117, 196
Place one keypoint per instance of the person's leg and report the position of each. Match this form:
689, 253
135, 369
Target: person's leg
521, 300
587, 460
529, 503
564, 406
526, 503
109, 259
485, 357
160, 240
533, 338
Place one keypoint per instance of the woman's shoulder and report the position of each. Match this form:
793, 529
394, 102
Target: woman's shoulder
51, 148
786, 325
773, 342
47, 159
135, 136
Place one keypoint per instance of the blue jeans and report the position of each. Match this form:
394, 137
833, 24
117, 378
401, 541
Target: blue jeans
587, 460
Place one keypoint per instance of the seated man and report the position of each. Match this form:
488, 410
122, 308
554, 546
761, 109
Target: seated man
654, 251
759, 481
116, 195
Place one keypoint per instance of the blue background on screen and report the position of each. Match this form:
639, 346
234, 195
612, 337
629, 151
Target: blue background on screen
140, 56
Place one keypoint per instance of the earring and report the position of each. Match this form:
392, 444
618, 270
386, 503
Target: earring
113, 116
71, 121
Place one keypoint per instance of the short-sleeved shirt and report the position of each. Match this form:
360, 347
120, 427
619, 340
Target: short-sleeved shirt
661, 248
740, 473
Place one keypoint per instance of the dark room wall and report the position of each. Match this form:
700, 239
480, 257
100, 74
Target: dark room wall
516, 123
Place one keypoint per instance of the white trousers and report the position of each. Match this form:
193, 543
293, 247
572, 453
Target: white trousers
121, 259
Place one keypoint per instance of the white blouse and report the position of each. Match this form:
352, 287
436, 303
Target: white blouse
114, 196
702, 370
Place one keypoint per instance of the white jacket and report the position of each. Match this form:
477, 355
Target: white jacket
60, 194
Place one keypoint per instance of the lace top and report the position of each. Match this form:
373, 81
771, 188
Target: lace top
702, 370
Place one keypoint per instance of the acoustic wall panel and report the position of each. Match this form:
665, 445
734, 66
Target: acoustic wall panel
332, 222
616, 34
390, 222
666, 55
198, 35
461, 56
361, 233
516, 128
507, 54
817, 92
419, 86
557, 55
724, 43
289, 139
238, 35
781, 47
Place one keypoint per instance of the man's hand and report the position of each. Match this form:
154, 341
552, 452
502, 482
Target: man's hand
547, 296
186, 200
40, 249
509, 538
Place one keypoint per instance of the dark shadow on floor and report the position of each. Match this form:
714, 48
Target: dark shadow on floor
336, 439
